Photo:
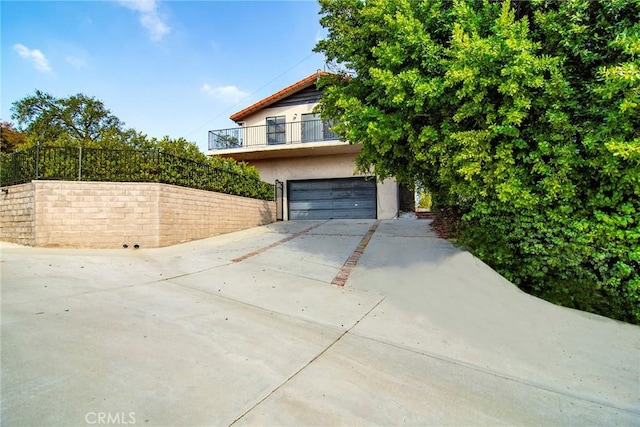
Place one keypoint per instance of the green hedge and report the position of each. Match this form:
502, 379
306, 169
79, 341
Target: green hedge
128, 165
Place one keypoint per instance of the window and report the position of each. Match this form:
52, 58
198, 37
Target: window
275, 130
311, 128
327, 133
314, 129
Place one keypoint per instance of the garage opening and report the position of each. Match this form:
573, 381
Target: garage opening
347, 198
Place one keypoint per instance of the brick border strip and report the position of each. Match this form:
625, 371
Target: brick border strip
343, 275
279, 242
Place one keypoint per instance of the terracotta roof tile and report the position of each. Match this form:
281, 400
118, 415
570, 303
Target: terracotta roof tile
287, 91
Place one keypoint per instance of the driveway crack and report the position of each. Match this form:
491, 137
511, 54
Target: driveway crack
497, 374
316, 357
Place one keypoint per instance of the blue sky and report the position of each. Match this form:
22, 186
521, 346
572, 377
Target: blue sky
177, 68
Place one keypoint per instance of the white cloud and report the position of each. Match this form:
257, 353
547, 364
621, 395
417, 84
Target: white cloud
76, 62
228, 94
36, 57
149, 17
320, 35
143, 6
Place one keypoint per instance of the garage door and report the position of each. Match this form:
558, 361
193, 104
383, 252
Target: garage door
332, 198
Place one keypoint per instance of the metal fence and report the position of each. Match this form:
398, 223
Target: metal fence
275, 133
98, 164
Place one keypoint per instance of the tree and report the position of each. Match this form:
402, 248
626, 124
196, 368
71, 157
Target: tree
178, 147
524, 117
11, 139
111, 152
77, 119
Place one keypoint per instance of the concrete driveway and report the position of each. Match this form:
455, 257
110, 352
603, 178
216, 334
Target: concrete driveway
247, 329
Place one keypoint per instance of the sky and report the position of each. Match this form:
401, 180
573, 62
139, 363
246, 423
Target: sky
176, 68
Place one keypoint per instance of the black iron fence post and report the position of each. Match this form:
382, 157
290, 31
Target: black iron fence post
13, 166
37, 168
158, 178
80, 164
278, 197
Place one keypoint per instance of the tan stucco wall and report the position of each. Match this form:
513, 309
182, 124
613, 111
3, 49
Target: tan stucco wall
108, 215
323, 167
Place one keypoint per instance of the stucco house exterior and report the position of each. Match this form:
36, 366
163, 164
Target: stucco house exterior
313, 170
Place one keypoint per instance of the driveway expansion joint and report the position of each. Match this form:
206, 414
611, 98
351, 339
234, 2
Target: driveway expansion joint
239, 302
497, 374
343, 275
313, 359
164, 279
278, 243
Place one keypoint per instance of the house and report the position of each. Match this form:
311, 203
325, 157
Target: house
314, 171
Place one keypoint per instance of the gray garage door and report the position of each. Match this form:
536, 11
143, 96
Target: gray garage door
332, 198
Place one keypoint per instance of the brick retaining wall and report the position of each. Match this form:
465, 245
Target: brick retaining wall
109, 214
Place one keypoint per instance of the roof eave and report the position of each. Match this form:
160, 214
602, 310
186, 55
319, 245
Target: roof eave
288, 91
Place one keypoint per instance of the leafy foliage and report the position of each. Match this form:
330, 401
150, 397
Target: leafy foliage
78, 138
524, 117
11, 139
79, 118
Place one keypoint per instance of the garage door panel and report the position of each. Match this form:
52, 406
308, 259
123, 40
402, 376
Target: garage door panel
329, 214
350, 204
347, 214
332, 204
312, 185
312, 195
340, 194
333, 198
352, 183
313, 214
311, 204
333, 195
307, 187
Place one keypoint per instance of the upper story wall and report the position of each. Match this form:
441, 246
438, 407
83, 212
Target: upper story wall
279, 121
310, 95
291, 113
292, 107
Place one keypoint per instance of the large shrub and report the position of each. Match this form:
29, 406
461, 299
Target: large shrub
522, 116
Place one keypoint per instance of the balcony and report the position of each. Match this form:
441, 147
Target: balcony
273, 134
